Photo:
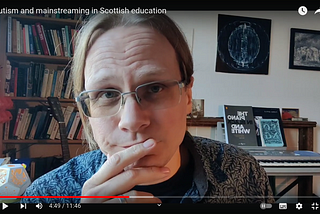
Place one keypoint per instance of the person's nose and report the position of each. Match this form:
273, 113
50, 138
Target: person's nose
133, 117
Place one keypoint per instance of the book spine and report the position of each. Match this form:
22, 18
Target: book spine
18, 37
70, 122
64, 40
9, 35
74, 126
57, 82
27, 124
68, 88
8, 70
19, 123
49, 84
42, 39
29, 82
44, 82
16, 122
26, 40
60, 83
35, 74
14, 36
36, 40
54, 80
31, 42
45, 39
35, 125
6, 130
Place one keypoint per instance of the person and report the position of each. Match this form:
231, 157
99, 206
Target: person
133, 78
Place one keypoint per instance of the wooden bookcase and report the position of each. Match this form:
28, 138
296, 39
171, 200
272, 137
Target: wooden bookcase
50, 60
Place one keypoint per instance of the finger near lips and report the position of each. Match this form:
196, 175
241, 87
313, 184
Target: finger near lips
117, 162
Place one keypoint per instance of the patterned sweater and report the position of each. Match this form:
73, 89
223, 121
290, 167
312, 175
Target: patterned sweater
223, 173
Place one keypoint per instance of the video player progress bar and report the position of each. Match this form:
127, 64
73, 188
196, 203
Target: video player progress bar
142, 196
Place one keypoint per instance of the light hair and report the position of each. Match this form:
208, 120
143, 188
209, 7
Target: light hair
97, 24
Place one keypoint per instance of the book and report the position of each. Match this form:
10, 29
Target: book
74, 126
42, 38
18, 123
24, 131
70, 122
49, 83
33, 111
9, 35
45, 113
267, 113
26, 39
30, 83
239, 125
31, 40
36, 40
299, 119
44, 82
23, 122
35, 124
54, 81
14, 36
270, 133
68, 89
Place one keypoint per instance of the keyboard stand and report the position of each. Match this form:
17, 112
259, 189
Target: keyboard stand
305, 189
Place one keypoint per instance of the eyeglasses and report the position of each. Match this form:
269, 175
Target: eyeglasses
151, 96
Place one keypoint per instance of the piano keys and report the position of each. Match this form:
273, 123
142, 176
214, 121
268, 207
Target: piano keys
284, 163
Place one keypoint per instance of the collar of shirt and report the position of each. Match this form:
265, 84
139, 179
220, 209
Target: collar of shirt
200, 181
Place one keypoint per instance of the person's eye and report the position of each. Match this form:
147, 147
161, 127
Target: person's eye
155, 88
109, 94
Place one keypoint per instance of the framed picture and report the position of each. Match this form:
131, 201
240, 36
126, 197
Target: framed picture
304, 49
197, 108
243, 45
289, 113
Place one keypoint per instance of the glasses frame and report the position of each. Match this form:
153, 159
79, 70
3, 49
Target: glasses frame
181, 85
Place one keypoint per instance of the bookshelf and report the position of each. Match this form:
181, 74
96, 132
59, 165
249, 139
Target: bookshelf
22, 57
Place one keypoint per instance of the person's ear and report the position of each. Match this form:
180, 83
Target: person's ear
189, 96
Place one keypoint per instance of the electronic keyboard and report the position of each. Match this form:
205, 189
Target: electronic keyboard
277, 162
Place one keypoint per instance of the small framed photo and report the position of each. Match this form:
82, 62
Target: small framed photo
289, 113
197, 108
304, 49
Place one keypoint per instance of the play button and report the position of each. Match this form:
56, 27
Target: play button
4, 206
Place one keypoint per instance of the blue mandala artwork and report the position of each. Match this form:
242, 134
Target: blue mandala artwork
243, 45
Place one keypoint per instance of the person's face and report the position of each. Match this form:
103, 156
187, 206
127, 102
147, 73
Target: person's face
124, 58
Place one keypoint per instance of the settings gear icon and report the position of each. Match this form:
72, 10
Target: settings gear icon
299, 206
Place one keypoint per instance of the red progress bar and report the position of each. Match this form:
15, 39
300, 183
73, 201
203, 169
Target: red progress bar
118, 196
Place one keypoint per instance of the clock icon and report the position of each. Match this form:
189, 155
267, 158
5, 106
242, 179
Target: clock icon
302, 10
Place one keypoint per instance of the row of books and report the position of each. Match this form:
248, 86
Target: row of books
38, 123
36, 39
36, 80
253, 126
72, 16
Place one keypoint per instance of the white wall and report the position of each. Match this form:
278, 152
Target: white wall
282, 87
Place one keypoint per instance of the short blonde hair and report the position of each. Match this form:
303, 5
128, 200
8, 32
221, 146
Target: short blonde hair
97, 24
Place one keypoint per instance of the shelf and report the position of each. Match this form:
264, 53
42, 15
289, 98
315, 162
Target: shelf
39, 99
39, 58
40, 141
212, 122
